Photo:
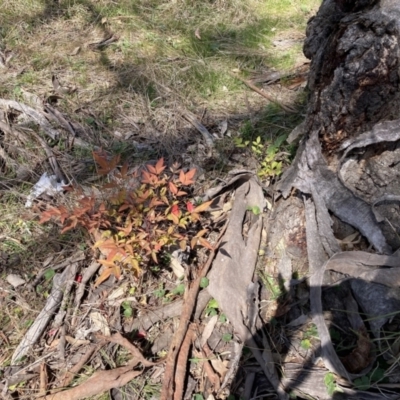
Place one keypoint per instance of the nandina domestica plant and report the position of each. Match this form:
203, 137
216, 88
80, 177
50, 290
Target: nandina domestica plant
131, 227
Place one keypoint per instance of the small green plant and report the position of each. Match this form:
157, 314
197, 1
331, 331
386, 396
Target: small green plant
272, 285
204, 282
266, 154
305, 344
227, 337
160, 292
212, 308
222, 318
128, 310
311, 332
330, 383
254, 209
365, 382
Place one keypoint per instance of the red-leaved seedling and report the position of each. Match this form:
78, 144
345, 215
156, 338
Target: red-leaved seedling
131, 227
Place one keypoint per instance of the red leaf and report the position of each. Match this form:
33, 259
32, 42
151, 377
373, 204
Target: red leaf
172, 188
175, 209
149, 178
189, 206
206, 243
141, 335
160, 166
187, 179
124, 170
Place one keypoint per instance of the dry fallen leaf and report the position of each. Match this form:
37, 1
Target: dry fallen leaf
75, 51
208, 330
99, 323
197, 33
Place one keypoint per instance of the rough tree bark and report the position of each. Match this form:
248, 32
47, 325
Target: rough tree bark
354, 85
347, 168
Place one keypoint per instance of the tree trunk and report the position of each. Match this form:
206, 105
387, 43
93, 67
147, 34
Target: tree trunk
345, 177
354, 80
354, 89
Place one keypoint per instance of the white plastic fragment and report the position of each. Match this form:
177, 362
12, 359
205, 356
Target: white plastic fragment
46, 184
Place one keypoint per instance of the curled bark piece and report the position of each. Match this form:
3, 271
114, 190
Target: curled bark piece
34, 115
151, 317
200, 127
100, 382
237, 257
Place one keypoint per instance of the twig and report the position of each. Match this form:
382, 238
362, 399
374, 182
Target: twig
62, 312
182, 362
213, 377
79, 256
117, 338
50, 156
168, 387
43, 379
99, 382
80, 290
263, 94
70, 375
37, 328
169, 311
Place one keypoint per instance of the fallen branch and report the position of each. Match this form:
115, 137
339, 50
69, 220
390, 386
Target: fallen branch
169, 311
102, 381
80, 290
117, 338
263, 94
70, 375
168, 388
34, 115
182, 362
37, 328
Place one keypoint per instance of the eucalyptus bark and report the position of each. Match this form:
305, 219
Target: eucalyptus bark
346, 172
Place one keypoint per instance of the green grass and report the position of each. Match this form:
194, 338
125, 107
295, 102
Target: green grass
207, 39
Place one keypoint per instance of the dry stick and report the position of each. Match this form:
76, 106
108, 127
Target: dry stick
212, 375
70, 375
263, 94
187, 310
50, 156
206, 353
80, 289
181, 363
43, 379
117, 338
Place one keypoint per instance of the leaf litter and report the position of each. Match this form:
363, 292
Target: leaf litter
234, 254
